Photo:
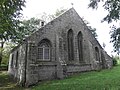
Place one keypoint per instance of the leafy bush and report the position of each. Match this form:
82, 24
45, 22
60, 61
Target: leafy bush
6, 51
5, 59
115, 61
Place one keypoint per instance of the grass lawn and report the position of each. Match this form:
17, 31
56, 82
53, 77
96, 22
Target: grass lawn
103, 80
6, 83
108, 79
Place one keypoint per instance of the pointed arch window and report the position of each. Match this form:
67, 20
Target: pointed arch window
103, 59
70, 45
80, 46
17, 54
12, 58
97, 54
44, 49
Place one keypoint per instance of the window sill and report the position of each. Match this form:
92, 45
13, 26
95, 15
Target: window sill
43, 64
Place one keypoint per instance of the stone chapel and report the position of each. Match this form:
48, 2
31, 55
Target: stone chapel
58, 49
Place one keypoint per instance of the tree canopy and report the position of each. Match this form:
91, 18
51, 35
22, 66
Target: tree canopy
93, 30
58, 12
9, 14
113, 9
26, 28
112, 6
115, 38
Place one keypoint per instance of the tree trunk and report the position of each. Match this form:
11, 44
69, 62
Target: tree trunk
2, 44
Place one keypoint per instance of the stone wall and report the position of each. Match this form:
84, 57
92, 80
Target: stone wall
59, 67
18, 72
31, 70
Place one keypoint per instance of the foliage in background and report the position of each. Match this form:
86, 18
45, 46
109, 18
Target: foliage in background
6, 51
9, 20
116, 60
93, 30
113, 9
15, 30
9, 14
112, 6
115, 39
58, 12
26, 28
49, 17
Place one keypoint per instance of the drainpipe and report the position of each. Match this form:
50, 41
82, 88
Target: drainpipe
25, 63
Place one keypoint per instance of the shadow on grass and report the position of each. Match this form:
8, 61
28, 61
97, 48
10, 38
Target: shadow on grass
6, 83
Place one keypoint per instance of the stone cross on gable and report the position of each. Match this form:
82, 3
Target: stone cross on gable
72, 4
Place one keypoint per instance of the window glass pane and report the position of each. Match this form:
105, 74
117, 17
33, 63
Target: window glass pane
44, 50
97, 53
12, 60
16, 59
40, 53
46, 53
44, 45
70, 45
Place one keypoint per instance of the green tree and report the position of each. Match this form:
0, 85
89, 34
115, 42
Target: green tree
26, 28
6, 52
115, 39
9, 14
93, 30
58, 12
49, 17
113, 9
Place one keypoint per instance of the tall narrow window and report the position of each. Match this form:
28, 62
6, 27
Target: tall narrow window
97, 54
103, 59
70, 45
80, 46
16, 59
12, 58
44, 50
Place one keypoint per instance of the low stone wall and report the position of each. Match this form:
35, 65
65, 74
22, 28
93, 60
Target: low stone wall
74, 68
47, 72
71, 69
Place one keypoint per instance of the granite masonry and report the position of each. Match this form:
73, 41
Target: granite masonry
58, 49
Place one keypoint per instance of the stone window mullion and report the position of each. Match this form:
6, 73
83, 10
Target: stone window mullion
70, 45
44, 51
80, 46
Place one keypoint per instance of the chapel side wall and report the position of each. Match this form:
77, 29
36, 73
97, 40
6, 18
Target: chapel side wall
31, 70
92, 43
56, 32
108, 61
11, 67
31, 76
89, 43
40, 70
18, 71
70, 22
105, 59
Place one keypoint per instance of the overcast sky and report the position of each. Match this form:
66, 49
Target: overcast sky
36, 7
